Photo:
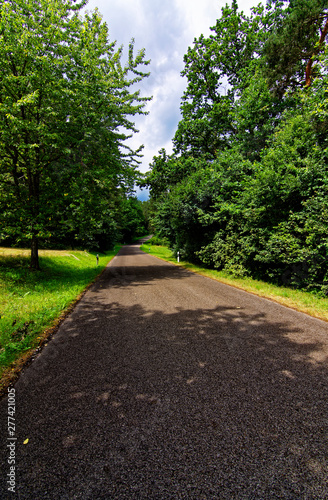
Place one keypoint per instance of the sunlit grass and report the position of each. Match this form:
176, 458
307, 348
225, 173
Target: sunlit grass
30, 301
308, 303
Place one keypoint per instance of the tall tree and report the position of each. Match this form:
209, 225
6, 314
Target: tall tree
64, 100
218, 69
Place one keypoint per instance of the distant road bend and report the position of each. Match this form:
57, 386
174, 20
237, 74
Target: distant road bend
163, 384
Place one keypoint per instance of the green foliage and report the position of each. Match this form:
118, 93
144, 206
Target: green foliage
65, 108
147, 208
254, 202
155, 240
131, 219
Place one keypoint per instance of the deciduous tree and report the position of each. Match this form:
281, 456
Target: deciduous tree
65, 101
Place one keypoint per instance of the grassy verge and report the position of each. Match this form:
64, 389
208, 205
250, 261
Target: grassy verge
301, 301
31, 303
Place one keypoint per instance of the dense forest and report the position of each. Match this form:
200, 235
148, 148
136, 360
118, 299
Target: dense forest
67, 104
246, 187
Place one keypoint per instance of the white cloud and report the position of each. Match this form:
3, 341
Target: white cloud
165, 28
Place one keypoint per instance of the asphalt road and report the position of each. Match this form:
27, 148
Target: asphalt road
163, 384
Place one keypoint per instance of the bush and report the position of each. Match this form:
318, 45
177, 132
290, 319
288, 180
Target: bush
156, 240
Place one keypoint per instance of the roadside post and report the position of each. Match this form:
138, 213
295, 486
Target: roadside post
97, 259
178, 256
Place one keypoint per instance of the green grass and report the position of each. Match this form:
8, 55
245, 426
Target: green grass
31, 302
308, 303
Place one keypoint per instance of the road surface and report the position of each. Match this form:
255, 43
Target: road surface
163, 384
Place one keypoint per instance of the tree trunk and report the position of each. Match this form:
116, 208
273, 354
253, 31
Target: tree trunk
308, 72
35, 254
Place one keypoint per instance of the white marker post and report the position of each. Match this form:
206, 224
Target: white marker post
178, 256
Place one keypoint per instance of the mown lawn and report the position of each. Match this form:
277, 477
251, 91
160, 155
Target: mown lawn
308, 303
32, 301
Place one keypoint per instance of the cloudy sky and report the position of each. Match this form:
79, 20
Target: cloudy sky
165, 28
